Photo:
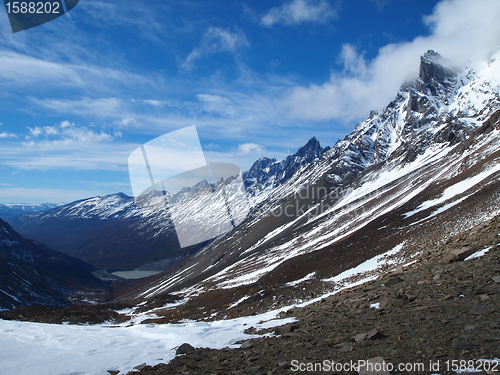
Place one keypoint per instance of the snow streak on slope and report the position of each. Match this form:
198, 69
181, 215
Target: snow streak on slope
388, 160
456, 189
370, 266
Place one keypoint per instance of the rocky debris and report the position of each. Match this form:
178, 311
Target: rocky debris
371, 335
398, 270
185, 349
460, 254
247, 345
287, 328
393, 281
444, 318
74, 314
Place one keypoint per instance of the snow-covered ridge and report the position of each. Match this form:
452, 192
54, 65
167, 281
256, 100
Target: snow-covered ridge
397, 154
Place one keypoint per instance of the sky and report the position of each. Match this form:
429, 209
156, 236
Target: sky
257, 78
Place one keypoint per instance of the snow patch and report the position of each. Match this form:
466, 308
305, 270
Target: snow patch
305, 278
50, 349
478, 254
369, 265
238, 302
10, 295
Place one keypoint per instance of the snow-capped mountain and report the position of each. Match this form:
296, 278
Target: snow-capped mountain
443, 105
267, 173
113, 232
409, 177
31, 274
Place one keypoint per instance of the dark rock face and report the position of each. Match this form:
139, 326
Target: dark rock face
185, 349
31, 273
405, 126
268, 173
435, 76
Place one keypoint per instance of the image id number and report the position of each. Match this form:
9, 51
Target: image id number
32, 7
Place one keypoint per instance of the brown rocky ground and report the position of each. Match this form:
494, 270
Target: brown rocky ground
439, 308
73, 314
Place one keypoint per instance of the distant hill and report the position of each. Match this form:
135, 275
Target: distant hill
10, 210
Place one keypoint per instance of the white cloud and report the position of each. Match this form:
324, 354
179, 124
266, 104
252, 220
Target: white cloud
7, 135
155, 103
353, 62
66, 133
23, 72
217, 104
215, 40
246, 148
126, 121
381, 4
103, 107
463, 31
211, 146
176, 143
49, 155
297, 11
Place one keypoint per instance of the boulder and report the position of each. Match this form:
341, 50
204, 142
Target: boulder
184, 349
459, 254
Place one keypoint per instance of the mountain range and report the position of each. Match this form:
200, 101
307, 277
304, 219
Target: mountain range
10, 210
408, 177
113, 233
423, 169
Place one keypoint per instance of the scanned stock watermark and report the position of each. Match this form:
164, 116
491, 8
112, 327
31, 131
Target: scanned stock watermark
314, 201
24, 15
378, 365
204, 200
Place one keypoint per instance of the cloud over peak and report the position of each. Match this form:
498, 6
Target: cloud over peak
464, 32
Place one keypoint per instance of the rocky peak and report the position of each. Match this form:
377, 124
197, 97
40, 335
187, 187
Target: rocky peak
261, 164
312, 149
436, 74
267, 172
441, 95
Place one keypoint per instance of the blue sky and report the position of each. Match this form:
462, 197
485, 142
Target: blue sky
257, 78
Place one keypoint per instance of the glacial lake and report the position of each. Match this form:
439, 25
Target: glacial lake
132, 275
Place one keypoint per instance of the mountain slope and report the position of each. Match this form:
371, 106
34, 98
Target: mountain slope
422, 170
31, 274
